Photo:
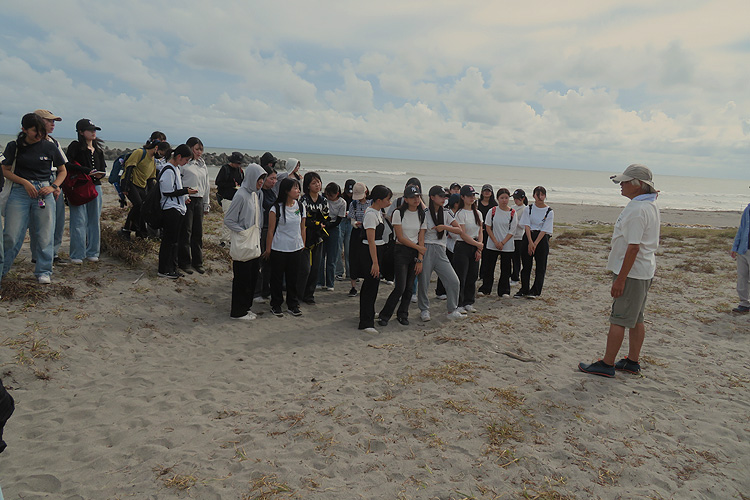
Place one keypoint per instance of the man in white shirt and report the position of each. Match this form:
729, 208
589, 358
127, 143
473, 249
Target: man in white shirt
633, 261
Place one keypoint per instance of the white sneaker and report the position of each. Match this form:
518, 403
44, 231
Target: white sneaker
249, 316
329, 288
505, 295
513, 283
92, 259
470, 309
442, 297
370, 330
76, 261
425, 315
259, 300
461, 309
456, 315
44, 279
414, 299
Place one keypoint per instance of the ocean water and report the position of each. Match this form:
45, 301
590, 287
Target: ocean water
582, 187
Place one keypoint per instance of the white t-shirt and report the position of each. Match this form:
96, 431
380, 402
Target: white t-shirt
337, 209
638, 224
466, 219
520, 228
288, 236
373, 218
170, 182
501, 223
431, 235
410, 225
541, 219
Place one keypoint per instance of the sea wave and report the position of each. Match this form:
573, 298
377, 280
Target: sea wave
354, 172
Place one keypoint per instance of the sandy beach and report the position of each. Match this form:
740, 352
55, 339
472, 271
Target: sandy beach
131, 386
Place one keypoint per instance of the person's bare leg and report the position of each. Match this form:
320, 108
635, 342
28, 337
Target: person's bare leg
637, 334
614, 342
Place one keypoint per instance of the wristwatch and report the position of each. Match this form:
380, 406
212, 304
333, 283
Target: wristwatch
55, 186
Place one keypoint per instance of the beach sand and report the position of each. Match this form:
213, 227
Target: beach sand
139, 387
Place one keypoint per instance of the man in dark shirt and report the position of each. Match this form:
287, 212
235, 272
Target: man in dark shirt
229, 178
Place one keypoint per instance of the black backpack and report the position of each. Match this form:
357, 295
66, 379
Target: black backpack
152, 208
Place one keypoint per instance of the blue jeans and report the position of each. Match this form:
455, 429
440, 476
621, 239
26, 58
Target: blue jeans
85, 233
345, 233
59, 227
20, 210
331, 254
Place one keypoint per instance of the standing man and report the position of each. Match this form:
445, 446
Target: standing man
633, 262
49, 122
740, 252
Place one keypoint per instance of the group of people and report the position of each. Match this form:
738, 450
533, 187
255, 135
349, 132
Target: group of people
313, 236
35, 166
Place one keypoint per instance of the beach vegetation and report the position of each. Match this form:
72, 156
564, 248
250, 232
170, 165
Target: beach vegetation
269, 488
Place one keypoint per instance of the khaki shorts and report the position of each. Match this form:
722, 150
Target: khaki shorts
627, 309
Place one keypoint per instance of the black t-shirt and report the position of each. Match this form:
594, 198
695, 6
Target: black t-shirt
317, 214
34, 162
227, 179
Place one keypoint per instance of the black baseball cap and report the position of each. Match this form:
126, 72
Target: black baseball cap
455, 185
236, 157
411, 191
468, 190
438, 191
519, 193
85, 124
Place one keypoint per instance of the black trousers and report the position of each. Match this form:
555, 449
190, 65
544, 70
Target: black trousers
440, 287
490, 261
7, 406
515, 270
243, 286
369, 290
404, 273
172, 224
284, 266
191, 236
540, 257
308, 273
135, 222
467, 269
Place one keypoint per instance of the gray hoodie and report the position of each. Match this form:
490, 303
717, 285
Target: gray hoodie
241, 214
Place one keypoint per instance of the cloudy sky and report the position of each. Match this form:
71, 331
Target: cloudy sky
574, 84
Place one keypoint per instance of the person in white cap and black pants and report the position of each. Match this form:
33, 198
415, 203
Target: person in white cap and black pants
633, 261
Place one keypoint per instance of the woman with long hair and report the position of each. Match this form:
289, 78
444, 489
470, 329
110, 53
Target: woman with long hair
520, 201
245, 211
86, 157
485, 203
359, 205
538, 221
316, 220
30, 194
501, 223
408, 222
468, 250
345, 232
284, 245
173, 204
372, 255
194, 174
332, 247
138, 175
439, 222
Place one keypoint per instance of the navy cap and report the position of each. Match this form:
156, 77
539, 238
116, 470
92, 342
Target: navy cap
468, 190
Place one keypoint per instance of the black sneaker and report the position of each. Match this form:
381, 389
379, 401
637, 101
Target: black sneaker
599, 368
353, 292
172, 275
294, 312
187, 270
626, 365
277, 312
309, 302
738, 309
519, 295
383, 322
124, 234
200, 269
403, 321
60, 261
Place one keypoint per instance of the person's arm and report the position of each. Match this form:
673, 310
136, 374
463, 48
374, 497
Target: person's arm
304, 233
618, 286
420, 257
207, 196
232, 217
75, 165
269, 235
491, 233
12, 177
